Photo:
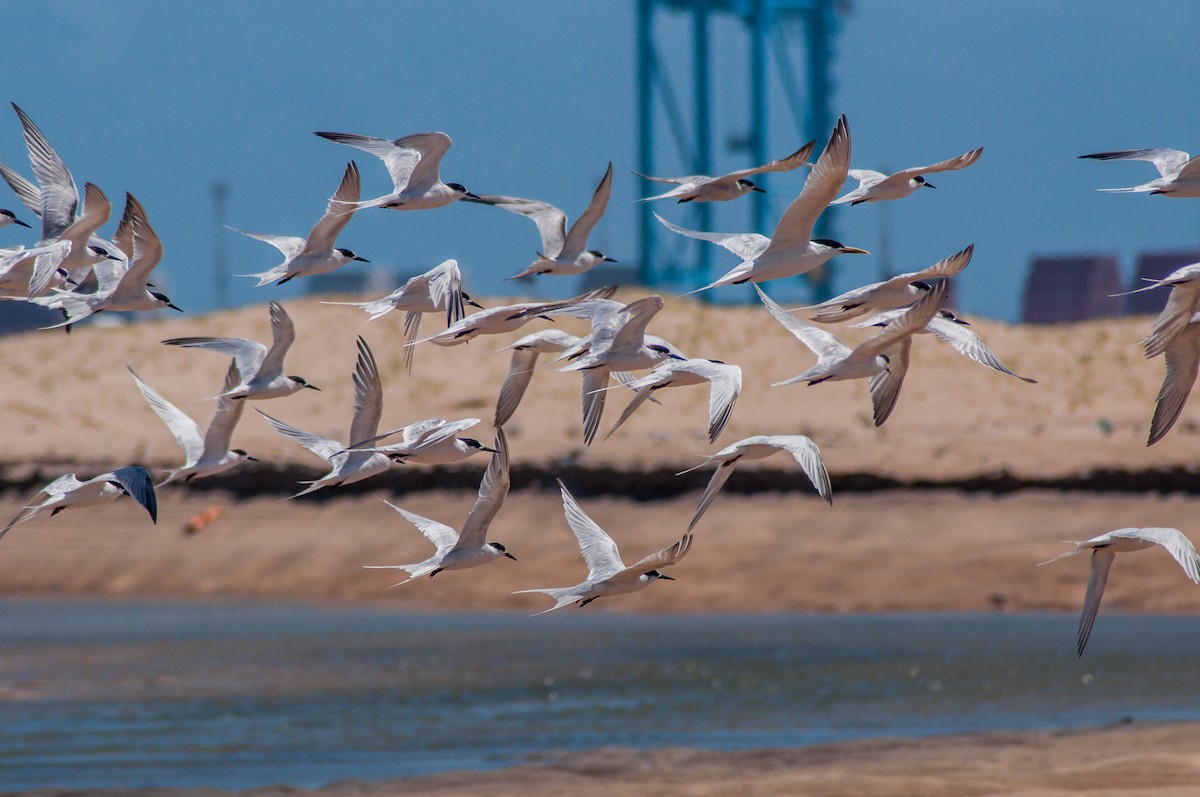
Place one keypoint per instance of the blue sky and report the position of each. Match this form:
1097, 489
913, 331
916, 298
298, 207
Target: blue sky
161, 99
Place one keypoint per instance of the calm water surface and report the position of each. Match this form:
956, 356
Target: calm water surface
238, 695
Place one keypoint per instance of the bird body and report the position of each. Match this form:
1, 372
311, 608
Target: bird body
414, 164
428, 442
1179, 174
68, 492
724, 381
498, 320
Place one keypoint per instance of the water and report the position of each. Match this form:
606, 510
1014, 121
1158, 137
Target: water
238, 695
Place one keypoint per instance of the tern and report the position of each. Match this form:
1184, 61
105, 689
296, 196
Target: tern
413, 163
724, 381
878, 187
261, 369
347, 467
206, 453
429, 442
121, 286
524, 359
701, 188
837, 361
498, 320
563, 251
437, 290
791, 249
1182, 304
470, 548
1183, 362
803, 450
67, 492
316, 254
899, 291
607, 573
7, 217
1179, 175
1104, 550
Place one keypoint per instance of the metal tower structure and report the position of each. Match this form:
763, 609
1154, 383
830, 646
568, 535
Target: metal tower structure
771, 27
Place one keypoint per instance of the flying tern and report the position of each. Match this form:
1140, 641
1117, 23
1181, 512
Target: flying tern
563, 251
1179, 175
878, 187
724, 381
1104, 550
791, 249
470, 548
701, 188
498, 320
429, 442
205, 453
261, 369
607, 573
316, 254
899, 291
413, 163
347, 467
67, 492
803, 450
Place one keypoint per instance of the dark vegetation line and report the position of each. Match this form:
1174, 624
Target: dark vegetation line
250, 480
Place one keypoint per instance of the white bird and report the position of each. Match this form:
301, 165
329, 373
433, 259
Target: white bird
701, 188
414, 163
122, 286
837, 361
498, 320
1104, 550
316, 254
205, 453
1183, 362
429, 442
437, 290
67, 492
1179, 174
607, 573
724, 381
948, 327
469, 549
524, 359
261, 369
7, 217
792, 250
878, 187
563, 251
1182, 304
345, 466
803, 450
899, 291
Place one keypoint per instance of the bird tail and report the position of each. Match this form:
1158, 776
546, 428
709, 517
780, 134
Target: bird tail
563, 596
1065, 554
268, 276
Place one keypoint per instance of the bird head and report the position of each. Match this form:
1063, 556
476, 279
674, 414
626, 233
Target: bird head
747, 185
472, 443
654, 574
299, 380
600, 256
346, 253
243, 455
162, 297
500, 550
922, 183
459, 188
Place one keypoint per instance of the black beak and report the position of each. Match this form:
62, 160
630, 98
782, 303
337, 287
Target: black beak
113, 257
608, 260
473, 303
252, 459
173, 307
929, 185
469, 195
489, 450
362, 260
510, 556
666, 578
313, 387
23, 224
759, 190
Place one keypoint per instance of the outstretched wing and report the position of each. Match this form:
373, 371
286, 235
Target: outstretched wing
599, 551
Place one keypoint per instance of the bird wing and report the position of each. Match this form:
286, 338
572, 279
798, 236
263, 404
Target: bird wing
576, 240
368, 395
520, 373
183, 428
1190, 170
492, 491
288, 245
639, 313
1178, 545
595, 381
719, 477
228, 413
147, 247
1183, 363
29, 194
442, 536
1169, 162
912, 321
338, 213
59, 196
794, 161
724, 387
283, 335
885, 385
247, 354
323, 447
1174, 318
808, 456
822, 343
824, 181
551, 222
599, 551
746, 245
1102, 559
664, 558
951, 164
639, 398
399, 160
137, 483
431, 147
966, 342
943, 269
445, 289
